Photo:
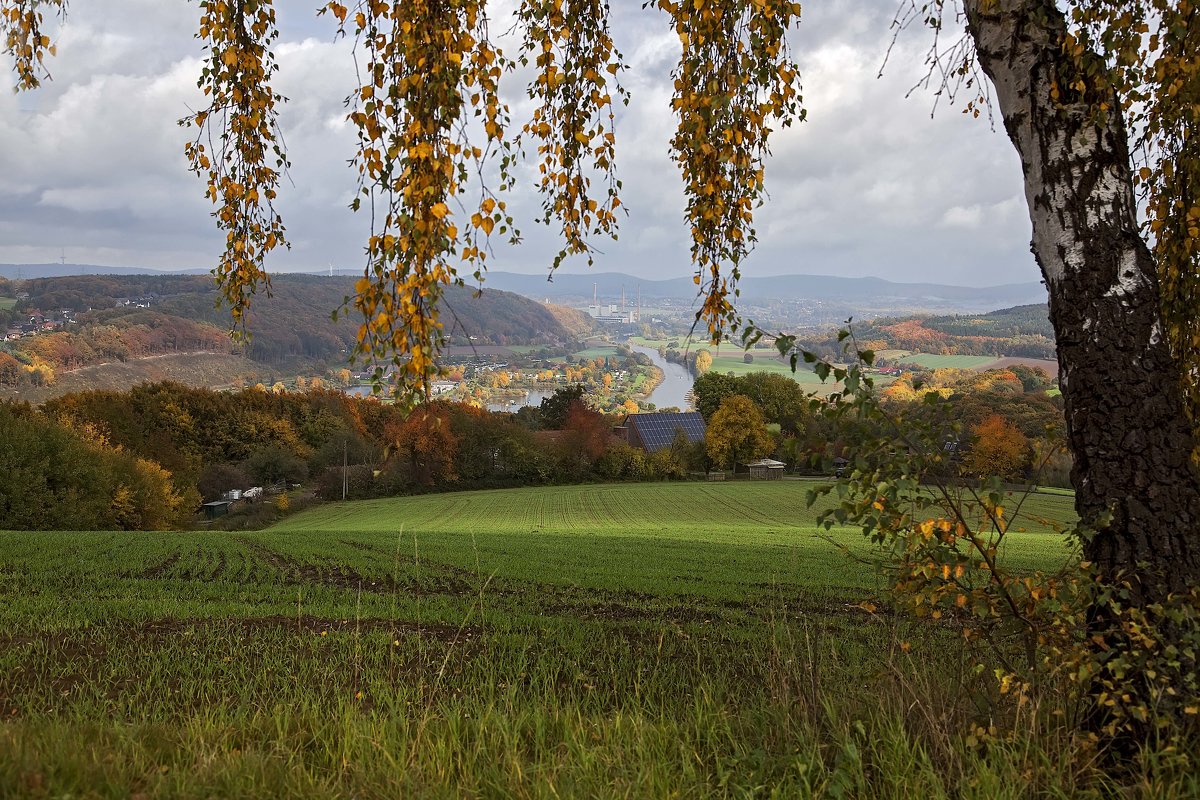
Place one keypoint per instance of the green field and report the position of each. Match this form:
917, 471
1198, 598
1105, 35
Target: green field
947, 362
765, 362
602, 351
641, 640
642, 341
7, 303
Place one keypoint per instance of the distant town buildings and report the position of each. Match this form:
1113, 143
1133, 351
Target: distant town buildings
612, 314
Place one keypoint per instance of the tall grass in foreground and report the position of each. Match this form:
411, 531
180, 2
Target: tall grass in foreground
695, 659
801, 709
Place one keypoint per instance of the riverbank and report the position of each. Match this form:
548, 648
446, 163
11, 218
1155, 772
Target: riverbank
675, 382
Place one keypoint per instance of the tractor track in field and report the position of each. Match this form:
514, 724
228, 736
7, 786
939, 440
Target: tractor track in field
163, 567
293, 571
555, 600
363, 547
83, 644
446, 580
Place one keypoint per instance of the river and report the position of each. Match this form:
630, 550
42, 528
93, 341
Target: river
676, 382
533, 397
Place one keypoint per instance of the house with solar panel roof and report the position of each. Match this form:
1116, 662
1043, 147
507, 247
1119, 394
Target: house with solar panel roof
654, 431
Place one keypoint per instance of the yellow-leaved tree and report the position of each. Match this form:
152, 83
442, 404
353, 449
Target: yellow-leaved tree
737, 433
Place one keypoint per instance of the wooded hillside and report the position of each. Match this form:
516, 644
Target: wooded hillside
96, 319
1021, 331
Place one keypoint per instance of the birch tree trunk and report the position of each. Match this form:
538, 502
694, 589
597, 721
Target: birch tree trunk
1122, 388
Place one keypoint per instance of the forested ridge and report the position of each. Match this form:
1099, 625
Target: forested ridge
95, 319
1021, 331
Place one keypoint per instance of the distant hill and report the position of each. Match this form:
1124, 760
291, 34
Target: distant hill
207, 370
1006, 323
578, 287
1020, 332
89, 320
26, 271
577, 323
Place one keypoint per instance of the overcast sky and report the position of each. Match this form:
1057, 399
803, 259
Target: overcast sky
92, 164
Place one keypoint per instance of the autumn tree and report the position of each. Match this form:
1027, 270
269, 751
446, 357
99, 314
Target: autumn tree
273, 463
56, 477
737, 433
1033, 379
702, 362
711, 389
781, 399
998, 449
11, 371
586, 436
423, 445
554, 409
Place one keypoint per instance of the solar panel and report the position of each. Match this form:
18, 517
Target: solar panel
657, 431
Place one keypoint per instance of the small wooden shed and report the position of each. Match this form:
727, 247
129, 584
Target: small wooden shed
765, 469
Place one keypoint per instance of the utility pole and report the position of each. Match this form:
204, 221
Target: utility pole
345, 466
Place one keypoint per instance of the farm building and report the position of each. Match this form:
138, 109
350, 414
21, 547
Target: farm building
654, 431
217, 508
765, 469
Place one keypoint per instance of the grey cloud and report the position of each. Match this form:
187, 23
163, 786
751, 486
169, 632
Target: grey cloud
869, 185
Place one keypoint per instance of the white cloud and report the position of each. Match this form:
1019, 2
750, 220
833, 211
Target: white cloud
969, 217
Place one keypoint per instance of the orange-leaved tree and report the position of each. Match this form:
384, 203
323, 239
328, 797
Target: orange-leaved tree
423, 444
999, 449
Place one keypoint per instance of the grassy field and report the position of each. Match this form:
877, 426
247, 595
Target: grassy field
765, 362
602, 351
649, 640
7, 303
943, 362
